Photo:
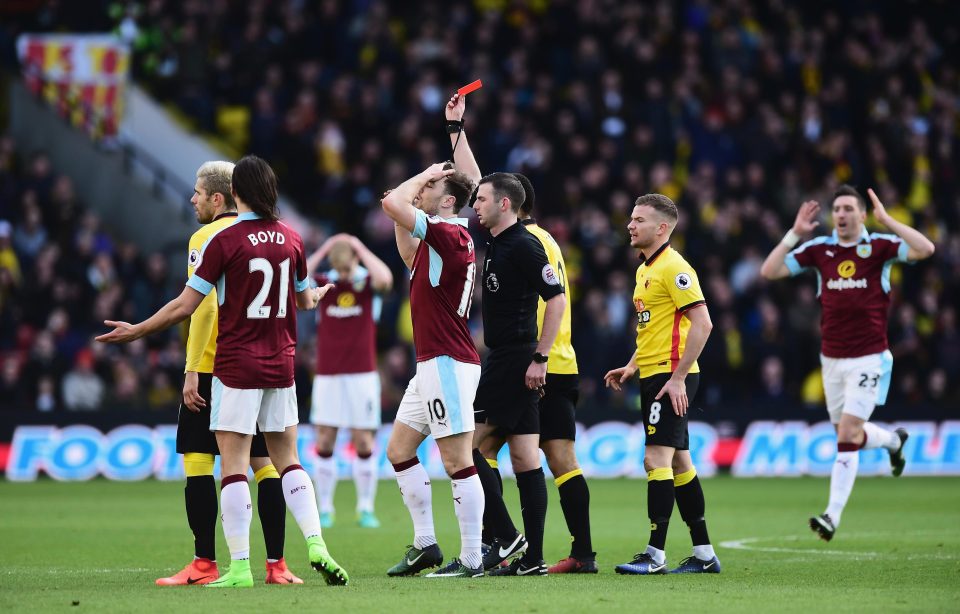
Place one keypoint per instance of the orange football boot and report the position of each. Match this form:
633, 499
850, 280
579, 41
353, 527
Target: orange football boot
277, 573
198, 571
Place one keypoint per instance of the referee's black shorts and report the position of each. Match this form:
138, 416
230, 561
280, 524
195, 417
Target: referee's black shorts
663, 426
503, 398
193, 428
558, 407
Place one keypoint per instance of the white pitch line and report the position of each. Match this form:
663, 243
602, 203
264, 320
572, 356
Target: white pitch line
747, 543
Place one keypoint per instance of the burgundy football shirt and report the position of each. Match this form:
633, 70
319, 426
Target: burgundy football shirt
346, 325
853, 288
441, 289
257, 267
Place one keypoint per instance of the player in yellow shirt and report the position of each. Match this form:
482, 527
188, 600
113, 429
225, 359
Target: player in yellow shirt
558, 427
215, 208
672, 329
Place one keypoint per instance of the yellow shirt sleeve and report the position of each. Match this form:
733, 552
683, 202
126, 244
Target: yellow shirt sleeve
204, 318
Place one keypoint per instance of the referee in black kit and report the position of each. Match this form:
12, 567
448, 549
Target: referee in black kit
515, 274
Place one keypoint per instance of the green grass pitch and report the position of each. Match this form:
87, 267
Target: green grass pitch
100, 545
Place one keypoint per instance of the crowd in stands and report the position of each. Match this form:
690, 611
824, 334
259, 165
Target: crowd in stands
61, 275
737, 109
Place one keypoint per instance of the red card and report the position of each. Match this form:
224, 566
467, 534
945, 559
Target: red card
472, 87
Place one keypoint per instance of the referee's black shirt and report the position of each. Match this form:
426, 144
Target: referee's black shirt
515, 274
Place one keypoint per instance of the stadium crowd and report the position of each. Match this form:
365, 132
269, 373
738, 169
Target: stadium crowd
738, 110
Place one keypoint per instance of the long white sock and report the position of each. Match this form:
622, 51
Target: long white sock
302, 503
468, 504
880, 438
236, 515
418, 497
841, 482
365, 477
325, 475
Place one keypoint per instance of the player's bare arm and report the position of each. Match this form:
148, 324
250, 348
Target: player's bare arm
773, 267
381, 278
191, 392
398, 203
198, 337
311, 297
462, 156
537, 372
317, 257
615, 378
921, 247
174, 312
406, 244
676, 388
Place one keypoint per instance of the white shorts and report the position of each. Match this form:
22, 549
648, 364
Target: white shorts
439, 398
241, 410
350, 400
856, 385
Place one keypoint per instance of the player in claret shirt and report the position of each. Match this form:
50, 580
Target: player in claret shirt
853, 274
216, 209
259, 270
434, 243
346, 388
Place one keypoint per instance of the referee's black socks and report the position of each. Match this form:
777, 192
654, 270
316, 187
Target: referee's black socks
200, 497
533, 506
496, 518
660, 496
575, 501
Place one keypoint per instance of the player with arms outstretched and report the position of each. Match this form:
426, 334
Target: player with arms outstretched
435, 244
853, 273
216, 209
259, 270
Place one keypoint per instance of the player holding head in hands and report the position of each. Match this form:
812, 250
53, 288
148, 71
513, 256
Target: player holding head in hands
259, 269
436, 246
672, 329
346, 387
853, 268
215, 208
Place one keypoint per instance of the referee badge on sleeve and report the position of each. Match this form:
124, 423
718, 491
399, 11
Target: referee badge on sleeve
683, 281
193, 259
549, 275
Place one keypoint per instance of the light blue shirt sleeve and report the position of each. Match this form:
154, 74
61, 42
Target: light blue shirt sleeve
902, 252
302, 284
199, 284
420, 226
792, 265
